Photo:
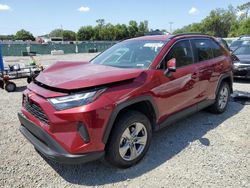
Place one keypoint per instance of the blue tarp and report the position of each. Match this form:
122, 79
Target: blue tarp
1, 60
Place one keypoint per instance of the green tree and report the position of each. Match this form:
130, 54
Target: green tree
244, 27
56, 33
121, 32
245, 7
86, 33
100, 22
195, 27
7, 37
69, 35
24, 35
219, 23
142, 28
132, 28
108, 32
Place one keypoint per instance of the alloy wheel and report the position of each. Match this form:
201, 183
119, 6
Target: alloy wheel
133, 141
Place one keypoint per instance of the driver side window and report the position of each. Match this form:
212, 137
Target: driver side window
182, 52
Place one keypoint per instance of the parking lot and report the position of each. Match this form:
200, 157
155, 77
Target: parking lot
204, 150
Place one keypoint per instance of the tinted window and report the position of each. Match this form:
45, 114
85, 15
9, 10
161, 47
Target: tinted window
243, 50
182, 52
202, 49
217, 50
236, 43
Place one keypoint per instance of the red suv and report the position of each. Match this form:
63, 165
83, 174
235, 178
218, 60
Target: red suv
75, 112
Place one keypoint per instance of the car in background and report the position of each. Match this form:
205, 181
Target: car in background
244, 37
241, 61
237, 43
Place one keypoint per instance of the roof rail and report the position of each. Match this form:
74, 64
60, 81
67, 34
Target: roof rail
242, 36
191, 33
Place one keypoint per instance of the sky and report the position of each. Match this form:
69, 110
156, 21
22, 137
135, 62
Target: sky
40, 17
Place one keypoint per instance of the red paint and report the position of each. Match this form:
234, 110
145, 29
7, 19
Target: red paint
187, 86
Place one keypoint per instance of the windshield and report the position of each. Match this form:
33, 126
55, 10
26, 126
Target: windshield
236, 43
130, 54
243, 50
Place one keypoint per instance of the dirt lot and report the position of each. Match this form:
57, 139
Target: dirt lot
204, 150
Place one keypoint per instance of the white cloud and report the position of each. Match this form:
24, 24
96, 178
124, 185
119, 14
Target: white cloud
83, 9
4, 7
241, 12
193, 11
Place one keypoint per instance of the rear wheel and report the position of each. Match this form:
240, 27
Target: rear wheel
130, 140
222, 99
10, 86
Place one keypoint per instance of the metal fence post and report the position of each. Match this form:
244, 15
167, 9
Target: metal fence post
1, 59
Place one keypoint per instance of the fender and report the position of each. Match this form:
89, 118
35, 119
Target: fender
123, 105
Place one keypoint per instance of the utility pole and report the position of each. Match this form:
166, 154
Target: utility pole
170, 27
62, 32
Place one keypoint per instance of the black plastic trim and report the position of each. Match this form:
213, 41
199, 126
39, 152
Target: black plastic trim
224, 76
87, 89
48, 147
185, 113
83, 132
122, 106
190, 34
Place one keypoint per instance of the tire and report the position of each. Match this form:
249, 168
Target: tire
10, 86
221, 100
1, 84
124, 139
29, 80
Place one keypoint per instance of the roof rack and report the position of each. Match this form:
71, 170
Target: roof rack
191, 33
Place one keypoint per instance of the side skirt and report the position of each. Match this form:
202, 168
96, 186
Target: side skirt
184, 113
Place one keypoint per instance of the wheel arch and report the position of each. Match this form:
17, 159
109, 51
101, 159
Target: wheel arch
143, 104
228, 78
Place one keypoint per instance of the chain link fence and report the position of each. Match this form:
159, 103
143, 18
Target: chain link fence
13, 49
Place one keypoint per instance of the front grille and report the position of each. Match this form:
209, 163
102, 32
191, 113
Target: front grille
36, 111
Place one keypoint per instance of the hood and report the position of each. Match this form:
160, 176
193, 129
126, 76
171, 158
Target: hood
244, 59
78, 75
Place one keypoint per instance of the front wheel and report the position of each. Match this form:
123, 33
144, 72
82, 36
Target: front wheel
10, 86
129, 140
222, 99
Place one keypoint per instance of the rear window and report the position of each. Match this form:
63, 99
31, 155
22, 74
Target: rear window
202, 49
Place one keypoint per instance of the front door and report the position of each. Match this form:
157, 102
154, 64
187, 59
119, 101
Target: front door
181, 89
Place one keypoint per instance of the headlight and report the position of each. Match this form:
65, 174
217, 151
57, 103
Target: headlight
236, 64
75, 100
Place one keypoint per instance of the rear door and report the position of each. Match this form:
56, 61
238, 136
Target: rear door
203, 58
209, 59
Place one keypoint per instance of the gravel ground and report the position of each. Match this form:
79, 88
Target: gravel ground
204, 150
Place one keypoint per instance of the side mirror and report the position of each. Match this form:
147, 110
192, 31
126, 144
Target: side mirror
170, 67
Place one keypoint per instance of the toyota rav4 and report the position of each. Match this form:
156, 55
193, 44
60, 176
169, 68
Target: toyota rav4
75, 112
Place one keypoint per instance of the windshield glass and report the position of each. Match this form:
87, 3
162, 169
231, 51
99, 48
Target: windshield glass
236, 43
243, 50
130, 54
